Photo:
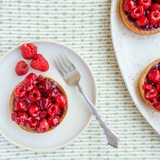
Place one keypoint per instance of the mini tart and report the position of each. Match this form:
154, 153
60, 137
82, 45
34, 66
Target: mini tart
131, 26
142, 81
11, 105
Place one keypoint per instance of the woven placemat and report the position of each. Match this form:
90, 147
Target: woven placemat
84, 26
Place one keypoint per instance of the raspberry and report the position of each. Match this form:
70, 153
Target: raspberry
151, 94
155, 7
61, 100
34, 95
154, 75
147, 86
28, 50
20, 91
154, 17
54, 121
142, 21
30, 79
43, 125
145, 3
129, 5
137, 12
21, 68
40, 63
53, 109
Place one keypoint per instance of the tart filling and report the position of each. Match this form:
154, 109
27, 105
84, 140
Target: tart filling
141, 16
149, 85
38, 104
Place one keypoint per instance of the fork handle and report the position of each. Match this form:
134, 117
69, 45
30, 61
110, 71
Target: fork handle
111, 137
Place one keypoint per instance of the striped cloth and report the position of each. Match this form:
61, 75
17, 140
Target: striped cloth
83, 25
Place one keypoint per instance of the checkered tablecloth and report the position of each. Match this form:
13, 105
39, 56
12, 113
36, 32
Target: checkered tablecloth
83, 25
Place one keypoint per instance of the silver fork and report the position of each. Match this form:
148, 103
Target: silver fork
72, 77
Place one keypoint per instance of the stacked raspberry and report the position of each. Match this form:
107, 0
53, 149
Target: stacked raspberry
145, 13
39, 104
29, 51
152, 87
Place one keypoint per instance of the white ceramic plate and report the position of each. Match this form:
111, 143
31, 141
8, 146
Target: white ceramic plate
78, 115
134, 53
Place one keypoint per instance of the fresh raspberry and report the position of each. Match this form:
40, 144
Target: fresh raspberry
142, 21
20, 91
43, 114
32, 123
34, 95
145, 3
28, 50
53, 109
44, 103
21, 68
43, 125
158, 87
137, 12
54, 121
155, 7
129, 5
44, 86
30, 79
156, 100
150, 26
53, 94
147, 86
40, 63
13, 116
34, 110
154, 75
151, 94
21, 118
61, 100
26, 99
20, 106
40, 78
154, 17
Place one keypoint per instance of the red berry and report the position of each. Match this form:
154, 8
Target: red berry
54, 121
151, 94
137, 12
20, 91
44, 103
30, 79
28, 50
53, 94
34, 110
154, 75
147, 86
20, 106
32, 123
40, 78
158, 106
61, 100
129, 5
150, 26
44, 86
156, 100
43, 114
142, 21
21, 118
53, 109
145, 3
154, 17
40, 63
21, 68
34, 95
155, 7
43, 125
26, 99
13, 116
158, 87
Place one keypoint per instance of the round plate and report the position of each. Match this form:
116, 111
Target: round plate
134, 53
78, 116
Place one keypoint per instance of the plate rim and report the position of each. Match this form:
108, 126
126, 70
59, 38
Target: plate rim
96, 94
125, 80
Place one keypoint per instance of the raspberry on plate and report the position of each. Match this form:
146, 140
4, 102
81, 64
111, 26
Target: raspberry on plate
21, 68
31, 104
40, 63
28, 51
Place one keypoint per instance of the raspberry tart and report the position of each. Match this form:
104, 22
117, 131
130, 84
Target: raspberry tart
149, 85
141, 16
38, 104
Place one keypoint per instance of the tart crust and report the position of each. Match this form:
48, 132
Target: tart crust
130, 25
11, 103
142, 80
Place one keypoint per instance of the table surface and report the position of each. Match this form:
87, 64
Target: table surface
83, 25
